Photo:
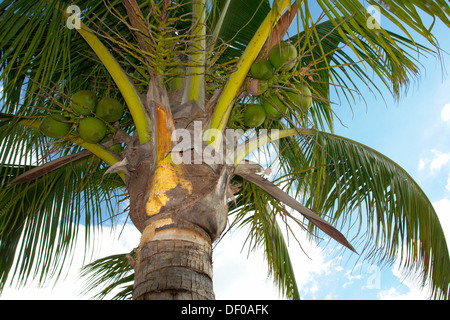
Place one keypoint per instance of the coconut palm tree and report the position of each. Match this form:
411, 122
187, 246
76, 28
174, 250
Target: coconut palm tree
180, 153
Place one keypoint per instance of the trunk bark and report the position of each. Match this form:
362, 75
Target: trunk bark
174, 270
174, 261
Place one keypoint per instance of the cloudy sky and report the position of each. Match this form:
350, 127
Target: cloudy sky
414, 133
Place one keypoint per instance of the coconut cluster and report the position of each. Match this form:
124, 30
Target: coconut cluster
270, 73
87, 113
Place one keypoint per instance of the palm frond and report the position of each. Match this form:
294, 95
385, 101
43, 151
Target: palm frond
259, 211
329, 64
240, 21
113, 274
285, 198
403, 16
41, 64
39, 218
352, 184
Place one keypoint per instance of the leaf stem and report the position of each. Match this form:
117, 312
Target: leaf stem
232, 87
94, 148
247, 147
195, 85
129, 92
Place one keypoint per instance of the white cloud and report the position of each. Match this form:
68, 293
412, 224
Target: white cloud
440, 160
434, 161
422, 164
408, 286
394, 294
351, 277
71, 286
445, 112
239, 275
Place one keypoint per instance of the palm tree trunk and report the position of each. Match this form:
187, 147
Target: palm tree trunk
174, 264
174, 257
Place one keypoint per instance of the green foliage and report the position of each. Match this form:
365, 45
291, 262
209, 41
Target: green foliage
43, 63
361, 189
114, 273
259, 212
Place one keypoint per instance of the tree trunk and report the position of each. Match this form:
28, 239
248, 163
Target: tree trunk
174, 257
174, 263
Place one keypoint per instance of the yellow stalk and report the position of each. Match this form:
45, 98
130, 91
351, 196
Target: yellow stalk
247, 147
98, 151
94, 148
128, 91
125, 86
235, 81
195, 87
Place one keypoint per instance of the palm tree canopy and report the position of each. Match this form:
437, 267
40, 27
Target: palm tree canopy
43, 62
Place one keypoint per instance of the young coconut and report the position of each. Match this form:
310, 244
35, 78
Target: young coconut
109, 109
83, 102
254, 115
262, 69
92, 129
283, 54
55, 126
300, 97
274, 107
257, 87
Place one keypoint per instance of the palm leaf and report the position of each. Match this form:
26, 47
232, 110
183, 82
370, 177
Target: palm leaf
39, 218
112, 274
240, 21
402, 15
324, 51
255, 208
283, 197
350, 182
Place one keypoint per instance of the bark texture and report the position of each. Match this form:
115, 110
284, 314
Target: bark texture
174, 270
174, 263
174, 258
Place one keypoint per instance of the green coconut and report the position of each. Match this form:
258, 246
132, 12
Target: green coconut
283, 53
254, 115
257, 87
109, 109
274, 107
92, 129
55, 126
300, 97
84, 102
262, 69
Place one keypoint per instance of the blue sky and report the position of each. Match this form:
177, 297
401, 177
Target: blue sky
414, 133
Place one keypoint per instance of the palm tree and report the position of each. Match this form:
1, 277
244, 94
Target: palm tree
183, 71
